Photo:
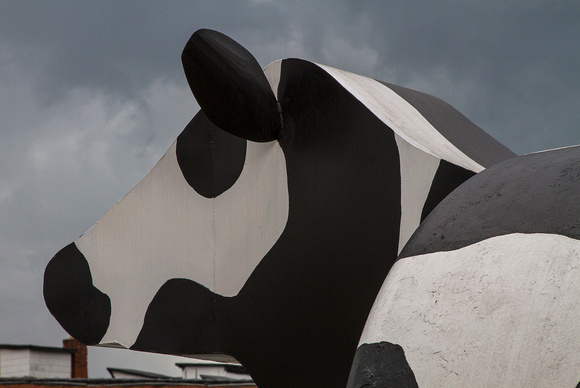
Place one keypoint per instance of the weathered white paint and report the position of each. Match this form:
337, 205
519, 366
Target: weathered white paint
417, 172
502, 312
163, 229
27, 362
402, 117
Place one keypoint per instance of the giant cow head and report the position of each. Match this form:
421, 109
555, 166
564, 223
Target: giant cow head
266, 230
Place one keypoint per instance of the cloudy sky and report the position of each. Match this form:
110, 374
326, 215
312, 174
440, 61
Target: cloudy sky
92, 94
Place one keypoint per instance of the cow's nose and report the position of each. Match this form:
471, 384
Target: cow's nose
81, 309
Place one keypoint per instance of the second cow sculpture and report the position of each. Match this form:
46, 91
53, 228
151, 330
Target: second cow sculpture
485, 293
266, 231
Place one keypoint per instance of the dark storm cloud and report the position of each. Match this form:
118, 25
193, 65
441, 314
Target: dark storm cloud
115, 46
509, 66
72, 44
93, 93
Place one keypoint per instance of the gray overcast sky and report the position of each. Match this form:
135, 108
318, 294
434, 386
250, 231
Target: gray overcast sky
92, 94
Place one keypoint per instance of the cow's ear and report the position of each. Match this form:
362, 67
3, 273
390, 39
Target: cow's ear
230, 86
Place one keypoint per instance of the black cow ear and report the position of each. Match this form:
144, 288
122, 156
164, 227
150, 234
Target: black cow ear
230, 86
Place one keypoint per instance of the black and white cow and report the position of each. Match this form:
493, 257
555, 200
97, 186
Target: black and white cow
267, 229
486, 292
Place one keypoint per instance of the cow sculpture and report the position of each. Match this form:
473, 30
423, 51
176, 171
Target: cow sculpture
267, 229
485, 293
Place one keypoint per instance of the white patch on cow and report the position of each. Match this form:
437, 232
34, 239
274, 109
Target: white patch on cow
272, 72
163, 229
402, 117
417, 172
501, 312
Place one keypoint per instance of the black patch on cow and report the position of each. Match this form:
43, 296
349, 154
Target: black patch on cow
230, 86
455, 127
81, 309
381, 365
536, 193
447, 178
180, 318
210, 159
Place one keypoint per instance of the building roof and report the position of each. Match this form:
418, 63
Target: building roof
138, 373
114, 383
38, 348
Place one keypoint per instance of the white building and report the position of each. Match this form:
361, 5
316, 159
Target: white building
31, 366
35, 361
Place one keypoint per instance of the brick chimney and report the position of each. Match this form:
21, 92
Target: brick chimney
79, 367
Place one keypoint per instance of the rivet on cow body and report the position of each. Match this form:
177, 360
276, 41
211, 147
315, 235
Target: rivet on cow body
269, 242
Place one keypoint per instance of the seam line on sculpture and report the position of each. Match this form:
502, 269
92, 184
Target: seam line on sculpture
213, 202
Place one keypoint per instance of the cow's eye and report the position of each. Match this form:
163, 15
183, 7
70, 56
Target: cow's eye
210, 159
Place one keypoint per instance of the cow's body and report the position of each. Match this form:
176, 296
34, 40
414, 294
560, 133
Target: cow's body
269, 252
486, 291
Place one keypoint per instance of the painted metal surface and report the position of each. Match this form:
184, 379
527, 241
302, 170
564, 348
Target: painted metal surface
502, 312
270, 252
